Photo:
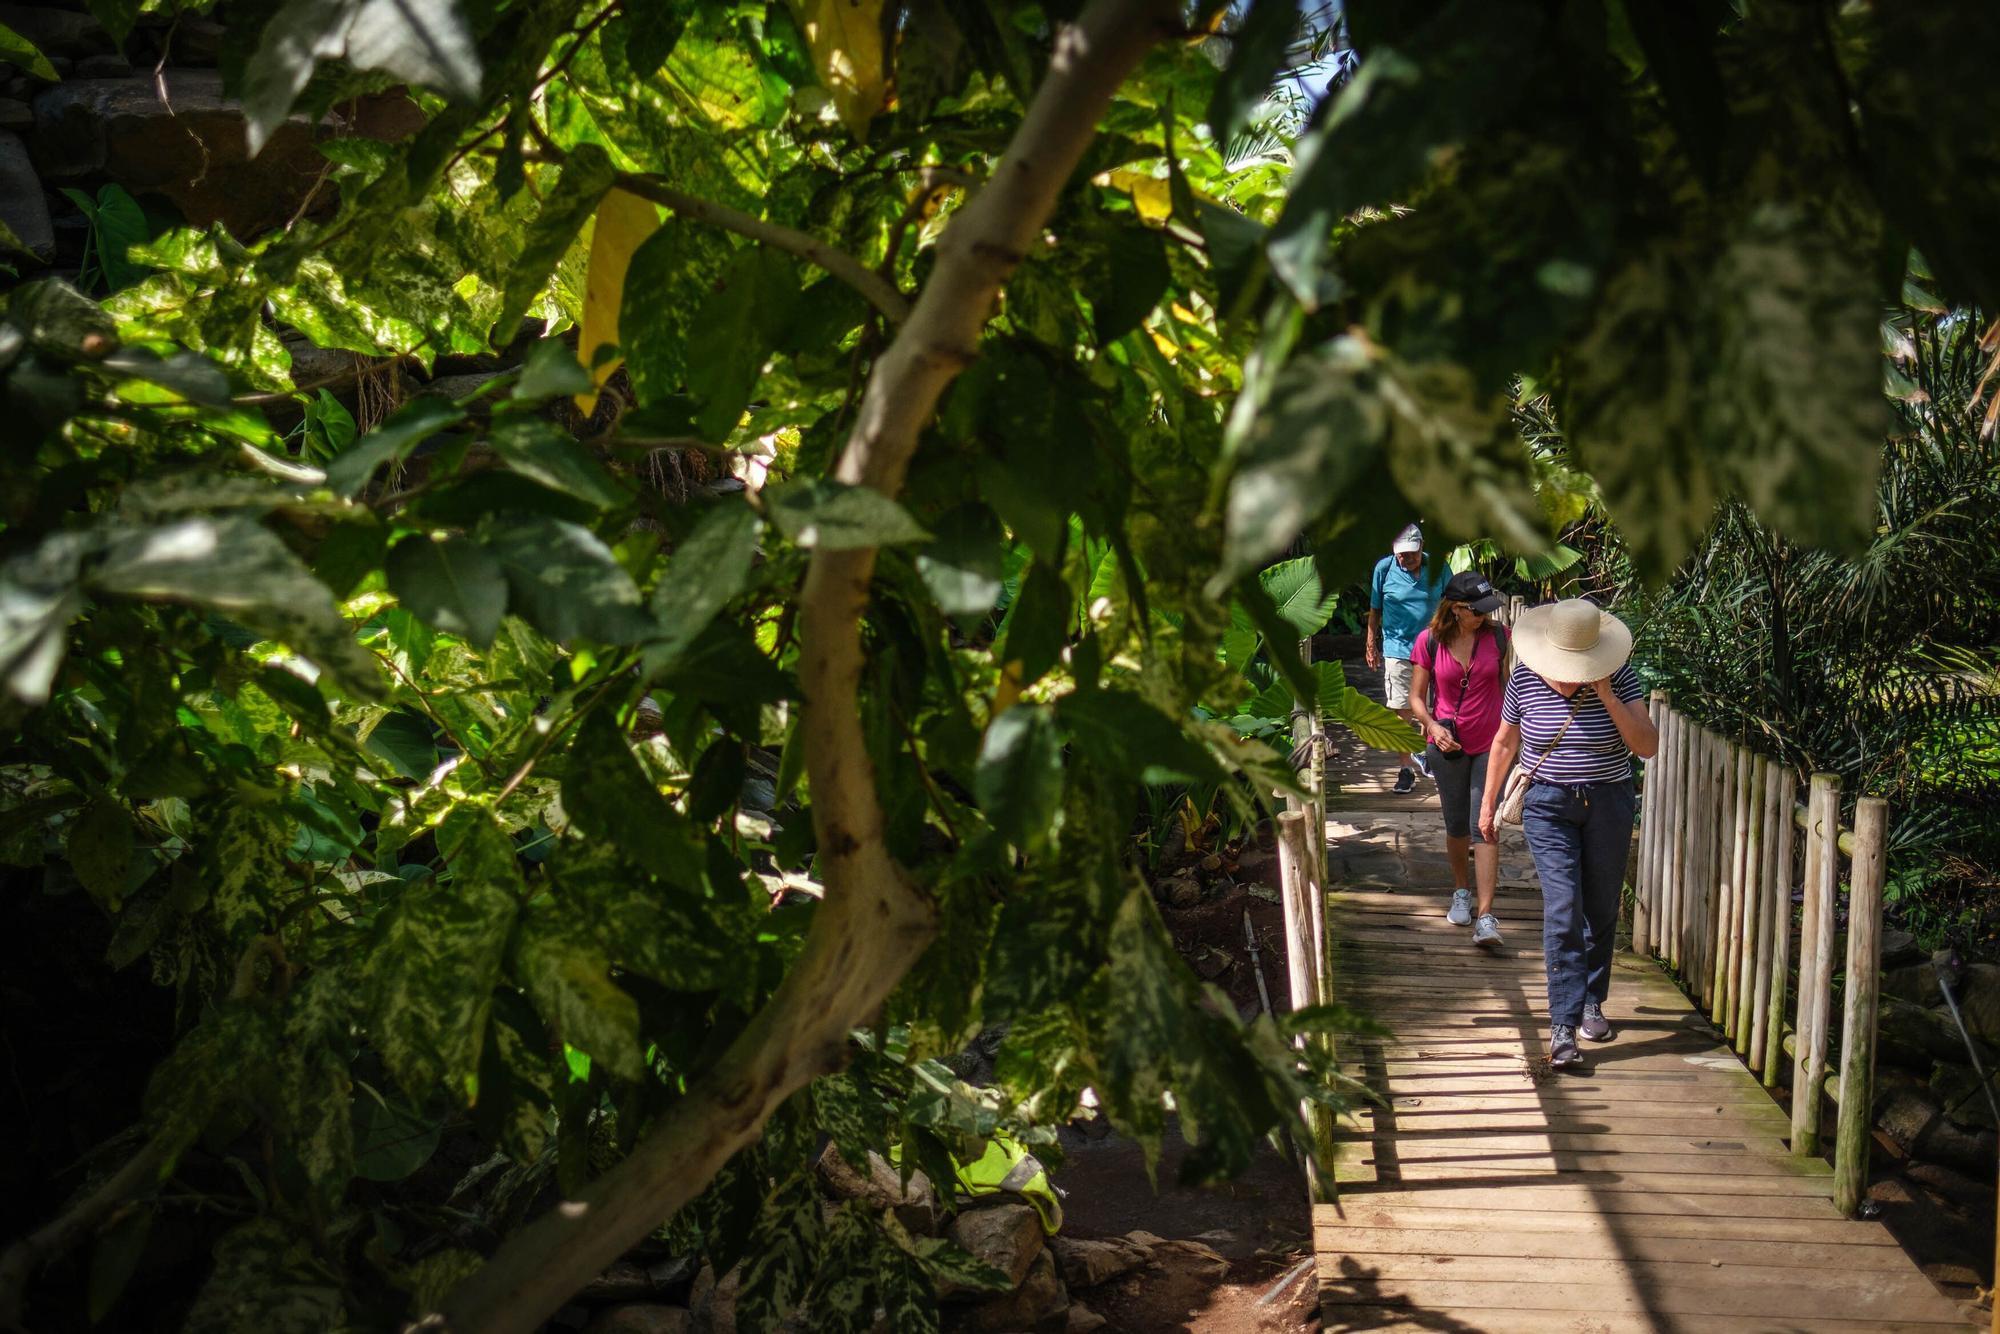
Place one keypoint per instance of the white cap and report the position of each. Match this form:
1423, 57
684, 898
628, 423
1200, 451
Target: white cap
1410, 539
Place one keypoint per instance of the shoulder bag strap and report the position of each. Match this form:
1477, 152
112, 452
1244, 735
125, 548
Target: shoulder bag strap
1574, 705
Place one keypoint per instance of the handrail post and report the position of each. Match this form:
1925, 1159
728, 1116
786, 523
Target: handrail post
1667, 951
1711, 863
1295, 870
1687, 816
1754, 774
1730, 850
1644, 904
1816, 960
1779, 814
1864, 981
1647, 917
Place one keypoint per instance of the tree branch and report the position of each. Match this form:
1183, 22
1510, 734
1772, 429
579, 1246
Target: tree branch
874, 923
878, 292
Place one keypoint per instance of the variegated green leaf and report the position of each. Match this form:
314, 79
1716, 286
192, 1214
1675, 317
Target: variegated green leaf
266, 1278
432, 972
568, 978
782, 1256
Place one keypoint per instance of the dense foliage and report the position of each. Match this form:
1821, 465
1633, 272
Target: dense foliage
458, 781
1880, 666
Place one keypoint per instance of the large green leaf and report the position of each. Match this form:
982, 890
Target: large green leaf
1256, 54
1295, 590
1756, 373
564, 580
962, 568
1038, 623
1375, 138
537, 449
1019, 781
390, 442
569, 979
586, 175
1935, 156
267, 1278
431, 977
24, 55
837, 517
782, 1255
609, 796
1323, 426
1372, 723
661, 930
237, 566
392, 1139
101, 850
1127, 278
1128, 738
422, 42
453, 583
707, 570
670, 273
745, 316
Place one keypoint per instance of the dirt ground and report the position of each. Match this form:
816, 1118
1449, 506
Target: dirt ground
1260, 1223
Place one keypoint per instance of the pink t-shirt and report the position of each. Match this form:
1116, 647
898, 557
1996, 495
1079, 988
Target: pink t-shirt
1478, 713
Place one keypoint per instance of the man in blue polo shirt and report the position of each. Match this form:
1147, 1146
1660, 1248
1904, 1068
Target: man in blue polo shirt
1401, 600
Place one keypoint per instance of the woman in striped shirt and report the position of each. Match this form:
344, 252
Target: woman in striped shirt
1573, 718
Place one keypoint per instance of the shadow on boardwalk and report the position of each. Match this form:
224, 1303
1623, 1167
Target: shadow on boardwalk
1655, 1191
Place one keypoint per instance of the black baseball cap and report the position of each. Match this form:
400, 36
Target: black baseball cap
1471, 586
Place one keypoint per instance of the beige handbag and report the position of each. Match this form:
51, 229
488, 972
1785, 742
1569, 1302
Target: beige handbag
1516, 792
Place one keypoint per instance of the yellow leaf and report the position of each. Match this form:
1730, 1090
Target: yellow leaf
1151, 195
846, 41
624, 221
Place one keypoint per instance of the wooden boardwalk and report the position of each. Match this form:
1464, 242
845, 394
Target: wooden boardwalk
1654, 1192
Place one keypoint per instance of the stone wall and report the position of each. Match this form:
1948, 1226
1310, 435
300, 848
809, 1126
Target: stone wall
1928, 1097
153, 119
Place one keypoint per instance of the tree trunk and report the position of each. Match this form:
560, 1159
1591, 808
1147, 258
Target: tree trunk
874, 922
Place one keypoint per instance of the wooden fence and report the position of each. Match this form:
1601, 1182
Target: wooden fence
1713, 902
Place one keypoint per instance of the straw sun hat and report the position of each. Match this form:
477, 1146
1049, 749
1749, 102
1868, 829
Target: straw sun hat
1572, 640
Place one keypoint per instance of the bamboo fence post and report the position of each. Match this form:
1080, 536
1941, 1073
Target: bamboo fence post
1720, 1007
1316, 814
1739, 895
1649, 805
1816, 949
1670, 793
1682, 836
1693, 865
1783, 797
1301, 975
1693, 789
1864, 984
1710, 813
1754, 916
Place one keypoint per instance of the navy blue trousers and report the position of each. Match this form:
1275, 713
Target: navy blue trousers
1579, 837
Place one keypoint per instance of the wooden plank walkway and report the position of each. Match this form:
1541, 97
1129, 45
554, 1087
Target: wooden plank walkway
1654, 1192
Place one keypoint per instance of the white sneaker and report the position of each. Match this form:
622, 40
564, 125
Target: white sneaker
1461, 908
1488, 931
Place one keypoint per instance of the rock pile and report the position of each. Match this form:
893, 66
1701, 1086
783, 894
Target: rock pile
1046, 1273
1928, 1097
152, 118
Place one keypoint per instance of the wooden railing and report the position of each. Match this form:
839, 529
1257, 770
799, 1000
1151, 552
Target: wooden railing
1713, 902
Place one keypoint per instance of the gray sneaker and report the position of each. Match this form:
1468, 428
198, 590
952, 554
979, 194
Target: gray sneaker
1487, 932
1595, 1026
1563, 1051
1461, 908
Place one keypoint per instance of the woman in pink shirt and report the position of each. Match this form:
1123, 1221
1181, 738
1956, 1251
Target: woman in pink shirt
1464, 654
